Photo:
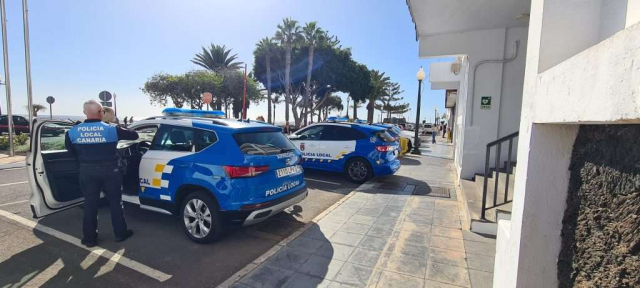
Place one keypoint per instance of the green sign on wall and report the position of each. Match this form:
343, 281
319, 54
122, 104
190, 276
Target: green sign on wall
485, 102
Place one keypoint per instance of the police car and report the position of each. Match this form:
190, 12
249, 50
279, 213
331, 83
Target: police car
396, 132
210, 172
360, 151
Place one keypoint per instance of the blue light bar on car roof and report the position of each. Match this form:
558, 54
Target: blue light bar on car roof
192, 113
360, 121
337, 119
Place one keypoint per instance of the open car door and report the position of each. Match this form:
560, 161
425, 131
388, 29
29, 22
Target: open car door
53, 171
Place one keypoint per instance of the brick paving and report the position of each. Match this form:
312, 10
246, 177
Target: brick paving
384, 235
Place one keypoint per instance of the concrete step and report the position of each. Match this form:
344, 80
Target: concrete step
473, 197
472, 200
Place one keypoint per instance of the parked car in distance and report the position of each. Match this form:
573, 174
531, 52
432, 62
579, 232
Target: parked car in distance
359, 151
427, 128
20, 124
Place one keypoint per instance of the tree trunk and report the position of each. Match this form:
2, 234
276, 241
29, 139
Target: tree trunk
269, 89
355, 109
370, 109
296, 118
307, 87
274, 114
287, 71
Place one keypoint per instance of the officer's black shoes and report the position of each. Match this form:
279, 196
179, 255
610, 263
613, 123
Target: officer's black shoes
127, 233
88, 243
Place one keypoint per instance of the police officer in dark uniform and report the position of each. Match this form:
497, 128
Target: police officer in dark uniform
95, 145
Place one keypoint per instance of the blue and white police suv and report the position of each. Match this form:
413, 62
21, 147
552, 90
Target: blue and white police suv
359, 151
210, 172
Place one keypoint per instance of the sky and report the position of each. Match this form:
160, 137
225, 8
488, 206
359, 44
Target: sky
79, 47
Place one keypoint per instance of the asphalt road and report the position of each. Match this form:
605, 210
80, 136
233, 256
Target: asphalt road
158, 255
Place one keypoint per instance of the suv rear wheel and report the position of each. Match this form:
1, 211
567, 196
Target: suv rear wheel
200, 218
358, 170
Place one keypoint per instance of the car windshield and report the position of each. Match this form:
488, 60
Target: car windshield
263, 143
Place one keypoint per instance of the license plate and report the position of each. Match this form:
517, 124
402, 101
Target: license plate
286, 171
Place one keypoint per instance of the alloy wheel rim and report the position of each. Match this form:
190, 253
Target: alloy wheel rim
197, 218
357, 170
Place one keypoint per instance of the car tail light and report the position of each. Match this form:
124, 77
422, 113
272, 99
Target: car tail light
385, 148
244, 171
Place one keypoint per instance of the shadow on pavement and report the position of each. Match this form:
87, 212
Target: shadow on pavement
158, 243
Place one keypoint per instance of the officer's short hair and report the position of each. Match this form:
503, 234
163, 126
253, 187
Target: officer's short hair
90, 103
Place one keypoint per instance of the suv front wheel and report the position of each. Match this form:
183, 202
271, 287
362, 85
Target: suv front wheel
200, 218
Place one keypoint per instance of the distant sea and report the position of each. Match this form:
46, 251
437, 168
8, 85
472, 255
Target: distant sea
42, 116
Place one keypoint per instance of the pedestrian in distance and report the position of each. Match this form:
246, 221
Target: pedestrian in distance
434, 132
125, 121
94, 143
287, 128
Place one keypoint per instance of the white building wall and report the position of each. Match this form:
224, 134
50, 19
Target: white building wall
481, 126
461, 106
581, 79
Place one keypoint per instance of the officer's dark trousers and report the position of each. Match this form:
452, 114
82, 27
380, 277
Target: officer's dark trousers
93, 179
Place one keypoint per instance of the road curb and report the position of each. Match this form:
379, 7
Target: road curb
12, 166
262, 258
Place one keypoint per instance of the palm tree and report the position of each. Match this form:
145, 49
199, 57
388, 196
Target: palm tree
378, 81
217, 58
267, 45
289, 33
36, 108
276, 100
312, 35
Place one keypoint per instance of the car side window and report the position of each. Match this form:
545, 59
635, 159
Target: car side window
20, 121
340, 133
205, 139
52, 136
3, 120
313, 133
174, 138
146, 133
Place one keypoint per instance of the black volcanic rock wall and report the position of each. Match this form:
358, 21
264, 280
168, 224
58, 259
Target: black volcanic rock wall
601, 234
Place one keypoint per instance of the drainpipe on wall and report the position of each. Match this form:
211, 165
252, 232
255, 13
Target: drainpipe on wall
473, 85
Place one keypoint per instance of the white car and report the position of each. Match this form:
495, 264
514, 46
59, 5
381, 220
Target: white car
427, 128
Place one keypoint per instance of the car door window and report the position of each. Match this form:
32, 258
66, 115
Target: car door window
52, 136
174, 138
313, 133
146, 133
340, 133
17, 120
205, 139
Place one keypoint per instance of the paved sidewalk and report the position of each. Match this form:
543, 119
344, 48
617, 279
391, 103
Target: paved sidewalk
7, 162
397, 231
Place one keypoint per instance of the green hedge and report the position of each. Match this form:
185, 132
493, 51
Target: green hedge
18, 140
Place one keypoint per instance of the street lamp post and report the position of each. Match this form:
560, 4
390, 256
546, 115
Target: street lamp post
420, 77
7, 81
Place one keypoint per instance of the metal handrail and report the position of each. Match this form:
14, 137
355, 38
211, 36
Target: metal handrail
500, 140
508, 170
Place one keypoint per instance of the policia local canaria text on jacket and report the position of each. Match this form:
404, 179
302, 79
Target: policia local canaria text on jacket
94, 143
